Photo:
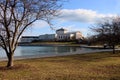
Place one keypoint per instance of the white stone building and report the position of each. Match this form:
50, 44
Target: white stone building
61, 35
64, 35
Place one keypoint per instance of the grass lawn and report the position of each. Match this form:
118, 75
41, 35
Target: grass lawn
94, 66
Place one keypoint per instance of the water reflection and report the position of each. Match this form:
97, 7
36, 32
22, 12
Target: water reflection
42, 50
46, 50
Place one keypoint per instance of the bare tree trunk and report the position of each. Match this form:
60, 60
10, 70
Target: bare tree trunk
10, 61
113, 49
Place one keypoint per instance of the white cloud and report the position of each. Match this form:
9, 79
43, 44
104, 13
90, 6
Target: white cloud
82, 15
32, 30
68, 16
76, 15
39, 24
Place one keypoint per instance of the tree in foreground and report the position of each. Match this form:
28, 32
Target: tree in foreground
108, 31
17, 15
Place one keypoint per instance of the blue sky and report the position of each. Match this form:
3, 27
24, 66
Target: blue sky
78, 15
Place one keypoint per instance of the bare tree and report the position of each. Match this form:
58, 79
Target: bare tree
17, 15
108, 31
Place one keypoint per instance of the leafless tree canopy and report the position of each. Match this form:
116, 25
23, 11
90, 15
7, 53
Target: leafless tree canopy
17, 15
108, 30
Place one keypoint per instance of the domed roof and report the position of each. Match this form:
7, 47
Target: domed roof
62, 29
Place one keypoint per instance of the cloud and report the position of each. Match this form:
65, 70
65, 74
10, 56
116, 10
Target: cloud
40, 24
82, 15
35, 28
75, 15
66, 20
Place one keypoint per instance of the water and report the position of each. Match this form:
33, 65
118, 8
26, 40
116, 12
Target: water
40, 51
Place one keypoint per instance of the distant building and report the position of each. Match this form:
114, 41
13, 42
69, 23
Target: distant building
29, 38
64, 35
61, 35
48, 37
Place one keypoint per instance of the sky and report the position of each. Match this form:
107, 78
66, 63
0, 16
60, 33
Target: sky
77, 15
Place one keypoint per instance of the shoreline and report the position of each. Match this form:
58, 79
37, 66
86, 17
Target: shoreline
63, 44
54, 55
93, 50
42, 44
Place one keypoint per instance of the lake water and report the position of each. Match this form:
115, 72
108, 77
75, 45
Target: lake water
42, 51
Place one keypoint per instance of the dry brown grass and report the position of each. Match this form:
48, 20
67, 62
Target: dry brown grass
93, 66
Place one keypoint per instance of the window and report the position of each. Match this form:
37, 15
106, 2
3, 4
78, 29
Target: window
59, 37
